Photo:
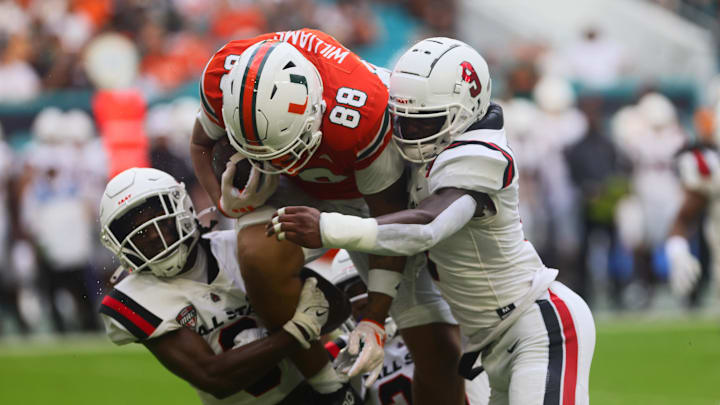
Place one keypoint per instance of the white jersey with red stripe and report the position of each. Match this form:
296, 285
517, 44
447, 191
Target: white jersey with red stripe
356, 126
210, 299
699, 170
485, 268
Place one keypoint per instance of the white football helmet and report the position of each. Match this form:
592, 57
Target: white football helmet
273, 107
438, 88
148, 220
658, 111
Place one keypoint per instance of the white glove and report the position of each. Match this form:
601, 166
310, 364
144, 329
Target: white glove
310, 315
351, 361
684, 267
235, 203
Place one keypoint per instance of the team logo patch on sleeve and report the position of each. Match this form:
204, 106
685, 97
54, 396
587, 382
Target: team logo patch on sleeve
187, 317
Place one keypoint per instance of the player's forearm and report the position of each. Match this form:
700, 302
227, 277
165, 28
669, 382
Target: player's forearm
237, 369
201, 156
688, 214
378, 307
400, 237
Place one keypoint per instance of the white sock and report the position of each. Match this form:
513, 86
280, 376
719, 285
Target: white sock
326, 380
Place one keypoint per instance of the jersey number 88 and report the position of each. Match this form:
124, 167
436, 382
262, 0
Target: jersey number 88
345, 116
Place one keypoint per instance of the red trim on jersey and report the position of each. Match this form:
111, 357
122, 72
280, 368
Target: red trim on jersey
333, 349
128, 313
248, 87
571, 349
702, 164
509, 170
511, 164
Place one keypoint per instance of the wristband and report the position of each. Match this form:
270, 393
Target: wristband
384, 281
347, 231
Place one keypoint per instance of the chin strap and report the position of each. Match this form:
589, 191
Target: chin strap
118, 274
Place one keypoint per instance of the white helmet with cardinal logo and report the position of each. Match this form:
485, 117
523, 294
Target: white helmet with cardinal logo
438, 88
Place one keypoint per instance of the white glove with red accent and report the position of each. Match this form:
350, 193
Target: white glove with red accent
684, 267
235, 203
369, 336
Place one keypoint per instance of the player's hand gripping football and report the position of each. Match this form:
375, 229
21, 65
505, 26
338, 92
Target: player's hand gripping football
684, 267
235, 203
365, 352
299, 225
310, 315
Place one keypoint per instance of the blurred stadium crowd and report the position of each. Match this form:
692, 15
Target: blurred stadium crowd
599, 188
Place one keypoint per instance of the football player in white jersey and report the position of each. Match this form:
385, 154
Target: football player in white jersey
699, 170
394, 384
535, 335
185, 300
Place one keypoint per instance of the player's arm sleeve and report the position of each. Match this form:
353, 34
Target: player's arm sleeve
473, 165
128, 321
403, 233
213, 130
695, 169
379, 164
210, 112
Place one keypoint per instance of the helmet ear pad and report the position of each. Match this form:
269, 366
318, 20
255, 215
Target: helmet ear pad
340, 308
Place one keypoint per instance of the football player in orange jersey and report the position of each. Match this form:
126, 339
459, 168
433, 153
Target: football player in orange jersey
312, 119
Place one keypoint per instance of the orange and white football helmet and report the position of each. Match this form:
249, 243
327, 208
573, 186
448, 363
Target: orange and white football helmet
273, 107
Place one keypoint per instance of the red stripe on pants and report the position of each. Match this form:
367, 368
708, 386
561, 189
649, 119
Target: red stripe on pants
571, 350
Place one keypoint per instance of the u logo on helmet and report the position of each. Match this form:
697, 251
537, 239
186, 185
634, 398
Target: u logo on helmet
469, 75
299, 108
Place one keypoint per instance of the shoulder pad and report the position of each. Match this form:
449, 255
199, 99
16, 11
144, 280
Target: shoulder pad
142, 308
134, 317
697, 168
473, 165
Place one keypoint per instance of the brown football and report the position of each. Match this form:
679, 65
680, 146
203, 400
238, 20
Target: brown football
340, 307
221, 153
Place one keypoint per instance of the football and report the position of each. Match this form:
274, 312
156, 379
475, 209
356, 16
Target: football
340, 307
221, 153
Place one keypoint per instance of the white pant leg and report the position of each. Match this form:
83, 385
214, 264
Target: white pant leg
418, 301
584, 326
544, 357
477, 391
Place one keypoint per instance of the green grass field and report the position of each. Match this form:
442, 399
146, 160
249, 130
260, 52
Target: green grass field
636, 363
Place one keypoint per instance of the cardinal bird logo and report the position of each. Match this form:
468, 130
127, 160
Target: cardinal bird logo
470, 76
